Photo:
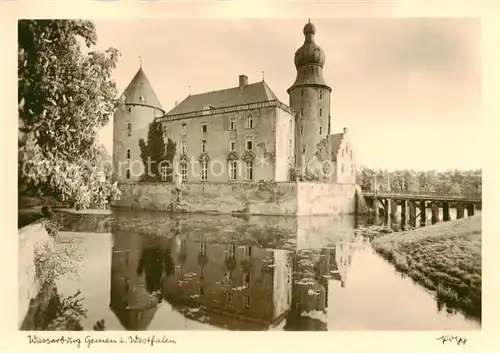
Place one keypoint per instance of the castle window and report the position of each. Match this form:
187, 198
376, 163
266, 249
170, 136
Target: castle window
203, 146
249, 170
249, 143
301, 129
232, 124
249, 122
130, 109
184, 129
164, 172
320, 130
320, 94
183, 147
129, 129
301, 111
184, 171
302, 93
204, 127
246, 279
232, 170
246, 301
128, 173
232, 144
128, 153
203, 248
303, 148
204, 170
248, 252
320, 112
231, 253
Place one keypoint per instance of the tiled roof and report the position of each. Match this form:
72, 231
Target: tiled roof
335, 142
251, 93
141, 87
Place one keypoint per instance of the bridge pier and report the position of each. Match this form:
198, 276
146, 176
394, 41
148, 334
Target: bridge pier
412, 210
470, 209
435, 212
376, 206
460, 210
404, 204
394, 207
423, 215
388, 208
446, 211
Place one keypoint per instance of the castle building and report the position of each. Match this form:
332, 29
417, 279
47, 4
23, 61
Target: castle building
242, 133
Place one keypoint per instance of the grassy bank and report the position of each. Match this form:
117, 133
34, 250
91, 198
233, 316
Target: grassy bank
445, 258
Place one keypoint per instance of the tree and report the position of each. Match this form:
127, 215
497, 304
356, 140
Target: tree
64, 97
155, 154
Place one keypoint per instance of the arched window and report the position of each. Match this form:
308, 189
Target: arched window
128, 153
128, 173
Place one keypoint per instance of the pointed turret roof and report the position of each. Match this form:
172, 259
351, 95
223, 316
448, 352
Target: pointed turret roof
140, 91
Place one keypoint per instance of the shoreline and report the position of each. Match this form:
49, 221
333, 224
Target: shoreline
444, 258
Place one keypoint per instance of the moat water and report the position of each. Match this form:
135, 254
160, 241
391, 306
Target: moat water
157, 271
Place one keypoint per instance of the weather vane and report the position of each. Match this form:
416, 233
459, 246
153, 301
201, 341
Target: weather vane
140, 60
189, 87
263, 76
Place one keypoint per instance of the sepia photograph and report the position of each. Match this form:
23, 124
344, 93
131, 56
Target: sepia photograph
240, 174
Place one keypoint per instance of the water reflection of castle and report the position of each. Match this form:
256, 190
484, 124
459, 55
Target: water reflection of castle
226, 284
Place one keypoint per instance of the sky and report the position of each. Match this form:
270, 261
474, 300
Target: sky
407, 89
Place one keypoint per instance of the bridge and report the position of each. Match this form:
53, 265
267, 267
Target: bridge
387, 202
430, 196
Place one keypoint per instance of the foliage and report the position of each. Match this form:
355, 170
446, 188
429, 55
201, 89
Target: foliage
64, 97
451, 181
52, 261
155, 154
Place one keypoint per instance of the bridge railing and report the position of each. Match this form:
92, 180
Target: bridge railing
427, 195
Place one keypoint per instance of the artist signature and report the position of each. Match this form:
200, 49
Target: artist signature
449, 338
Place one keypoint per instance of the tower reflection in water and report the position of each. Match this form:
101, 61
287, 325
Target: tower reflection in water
231, 284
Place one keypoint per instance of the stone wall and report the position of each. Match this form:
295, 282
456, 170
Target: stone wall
212, 197
29, 238
322, 199
268, 198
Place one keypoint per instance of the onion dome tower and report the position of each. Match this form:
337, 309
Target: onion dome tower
139, 107
310, 98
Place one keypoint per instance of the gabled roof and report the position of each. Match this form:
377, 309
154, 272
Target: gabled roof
335, 142
141, 87
251, 93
